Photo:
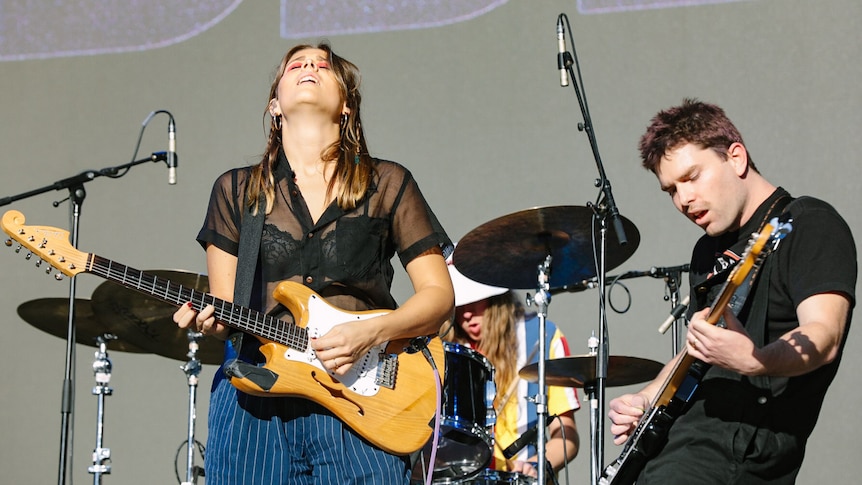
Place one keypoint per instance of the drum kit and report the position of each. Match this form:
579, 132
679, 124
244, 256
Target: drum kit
116, 318
550, 250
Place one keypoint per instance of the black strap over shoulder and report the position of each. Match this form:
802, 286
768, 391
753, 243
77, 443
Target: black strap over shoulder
246, 282
251, 229
758, 315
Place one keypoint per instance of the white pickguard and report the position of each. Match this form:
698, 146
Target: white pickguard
362, 377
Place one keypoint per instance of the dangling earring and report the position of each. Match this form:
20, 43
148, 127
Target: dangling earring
343, 120
276, 121
356, 159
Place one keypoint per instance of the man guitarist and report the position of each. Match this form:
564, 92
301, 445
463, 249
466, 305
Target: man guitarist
769, 362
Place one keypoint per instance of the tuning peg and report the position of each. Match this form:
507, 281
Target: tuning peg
8, 243
58, 276
28, 256
39, 263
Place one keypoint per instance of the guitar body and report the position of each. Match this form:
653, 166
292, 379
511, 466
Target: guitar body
396, 418
388, 398
651, 434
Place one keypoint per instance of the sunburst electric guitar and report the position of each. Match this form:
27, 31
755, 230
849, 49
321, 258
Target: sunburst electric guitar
387, 398
672, 399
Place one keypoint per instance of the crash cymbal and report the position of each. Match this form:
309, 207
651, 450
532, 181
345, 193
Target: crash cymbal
51, 315
148, 322
507, 251
579, 370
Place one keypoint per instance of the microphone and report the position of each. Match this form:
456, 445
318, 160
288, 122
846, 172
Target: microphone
561, 56
662, 271
674, 314
525, 439
172, 151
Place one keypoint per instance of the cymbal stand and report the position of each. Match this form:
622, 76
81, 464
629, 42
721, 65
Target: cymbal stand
192, 369
595, 411
102, 370
541, 300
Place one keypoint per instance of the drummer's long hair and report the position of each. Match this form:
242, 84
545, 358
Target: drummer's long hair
499, 342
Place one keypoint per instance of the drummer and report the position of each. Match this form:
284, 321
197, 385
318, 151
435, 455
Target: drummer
492, 321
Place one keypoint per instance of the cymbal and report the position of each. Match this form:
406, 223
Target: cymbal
51, 315
507, 251
580, 370
148, 323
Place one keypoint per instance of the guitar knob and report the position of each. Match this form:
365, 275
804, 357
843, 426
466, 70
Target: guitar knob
58, 276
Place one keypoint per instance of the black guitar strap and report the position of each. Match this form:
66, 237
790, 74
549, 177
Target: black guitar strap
247, 281
758, 316
250, 232
755, 322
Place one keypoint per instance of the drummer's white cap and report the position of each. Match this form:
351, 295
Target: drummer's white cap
467, 290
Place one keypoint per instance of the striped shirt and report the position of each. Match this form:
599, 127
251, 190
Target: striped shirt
519, 414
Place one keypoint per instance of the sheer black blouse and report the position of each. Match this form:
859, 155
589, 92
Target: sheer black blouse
344, 256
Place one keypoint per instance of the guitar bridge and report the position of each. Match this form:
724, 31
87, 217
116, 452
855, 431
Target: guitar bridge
387, 368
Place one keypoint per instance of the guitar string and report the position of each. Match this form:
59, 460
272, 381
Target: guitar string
266, 326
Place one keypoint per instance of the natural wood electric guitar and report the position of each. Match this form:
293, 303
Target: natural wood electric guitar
675, 394
387, 398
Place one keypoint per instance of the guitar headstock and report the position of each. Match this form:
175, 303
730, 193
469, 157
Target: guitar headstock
759, 245
50, 244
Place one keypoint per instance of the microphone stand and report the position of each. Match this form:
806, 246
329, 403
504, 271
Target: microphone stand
606, 207
77, 194
672, 280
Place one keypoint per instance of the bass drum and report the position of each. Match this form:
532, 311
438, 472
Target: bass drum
465, 445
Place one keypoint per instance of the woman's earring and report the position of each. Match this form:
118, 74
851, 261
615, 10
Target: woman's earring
276, 121
343, 120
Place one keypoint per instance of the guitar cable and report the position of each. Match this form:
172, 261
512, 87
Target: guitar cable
420, 344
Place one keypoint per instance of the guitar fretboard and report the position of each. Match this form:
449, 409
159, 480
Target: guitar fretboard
235, 316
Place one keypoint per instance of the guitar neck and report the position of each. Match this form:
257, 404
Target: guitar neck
234, 316
680, 370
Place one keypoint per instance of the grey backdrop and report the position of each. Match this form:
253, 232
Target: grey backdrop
475, 110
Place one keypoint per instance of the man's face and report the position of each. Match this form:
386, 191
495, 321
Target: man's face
704, 187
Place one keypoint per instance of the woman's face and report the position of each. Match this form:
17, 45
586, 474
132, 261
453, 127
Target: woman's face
308, 83
469, 317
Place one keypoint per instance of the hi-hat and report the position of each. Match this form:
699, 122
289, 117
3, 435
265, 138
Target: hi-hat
507, 251
580, 371
148, 323
51, 315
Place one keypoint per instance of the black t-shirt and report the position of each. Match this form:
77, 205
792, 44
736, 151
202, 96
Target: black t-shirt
817, 256
346, 255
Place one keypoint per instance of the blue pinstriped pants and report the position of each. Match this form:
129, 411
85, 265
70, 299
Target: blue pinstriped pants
281, 441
